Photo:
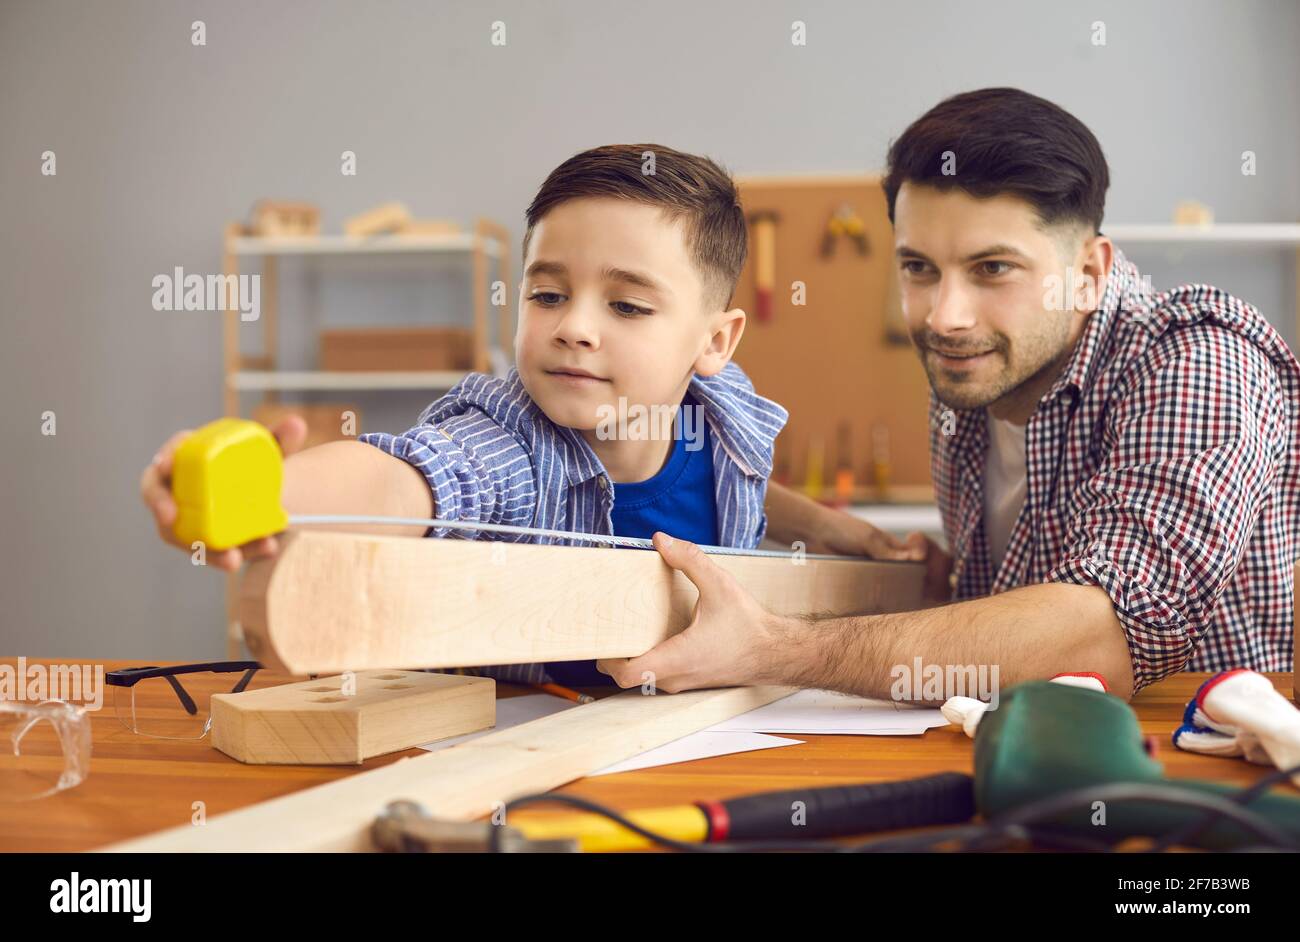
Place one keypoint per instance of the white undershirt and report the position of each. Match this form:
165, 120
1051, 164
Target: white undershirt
1004, 485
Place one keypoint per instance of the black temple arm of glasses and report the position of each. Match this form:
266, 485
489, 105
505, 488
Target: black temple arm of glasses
181, 694
130, 676
243, 681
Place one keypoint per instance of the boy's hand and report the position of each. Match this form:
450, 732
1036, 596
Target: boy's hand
156, 492
851, 536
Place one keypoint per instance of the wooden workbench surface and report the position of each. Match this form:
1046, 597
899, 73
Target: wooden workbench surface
139, 785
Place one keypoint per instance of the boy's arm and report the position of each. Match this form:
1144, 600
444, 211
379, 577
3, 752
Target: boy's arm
793, 517
336, 478
351, 477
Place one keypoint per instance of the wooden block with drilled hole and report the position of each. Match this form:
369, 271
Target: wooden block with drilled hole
317, 722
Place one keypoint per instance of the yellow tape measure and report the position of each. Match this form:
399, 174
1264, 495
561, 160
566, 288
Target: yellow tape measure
226, 484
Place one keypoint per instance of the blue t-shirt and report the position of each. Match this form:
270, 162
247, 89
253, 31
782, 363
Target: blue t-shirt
679, 500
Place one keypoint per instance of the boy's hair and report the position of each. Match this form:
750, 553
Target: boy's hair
1004, 140
686, 187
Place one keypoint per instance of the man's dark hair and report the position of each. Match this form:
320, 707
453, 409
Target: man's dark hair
1004, 140
686, 187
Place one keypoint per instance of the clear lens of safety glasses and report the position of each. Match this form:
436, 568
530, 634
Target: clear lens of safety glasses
44, 748
177, 706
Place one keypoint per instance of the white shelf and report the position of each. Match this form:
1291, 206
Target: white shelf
361, 245
900, 518
1280, 233
259, 380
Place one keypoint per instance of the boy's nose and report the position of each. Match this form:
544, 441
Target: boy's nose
577, 328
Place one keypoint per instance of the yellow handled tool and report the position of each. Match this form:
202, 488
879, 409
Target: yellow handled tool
226, 484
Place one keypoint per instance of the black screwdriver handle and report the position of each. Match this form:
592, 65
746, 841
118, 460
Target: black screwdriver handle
840, 810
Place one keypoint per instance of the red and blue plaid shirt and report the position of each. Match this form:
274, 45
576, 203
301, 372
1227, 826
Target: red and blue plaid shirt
1162, 466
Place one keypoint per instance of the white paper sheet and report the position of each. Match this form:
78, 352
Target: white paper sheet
824, 712
702, 745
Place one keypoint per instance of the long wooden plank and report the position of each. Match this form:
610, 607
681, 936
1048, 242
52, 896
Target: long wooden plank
466, 781
338, 601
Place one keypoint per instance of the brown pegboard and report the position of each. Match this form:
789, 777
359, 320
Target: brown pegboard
839, 357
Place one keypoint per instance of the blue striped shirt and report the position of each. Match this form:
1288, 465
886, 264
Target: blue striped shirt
490, 455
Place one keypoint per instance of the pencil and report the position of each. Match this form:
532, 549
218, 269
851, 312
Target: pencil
565, 692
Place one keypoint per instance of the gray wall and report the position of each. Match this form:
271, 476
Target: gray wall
159, 143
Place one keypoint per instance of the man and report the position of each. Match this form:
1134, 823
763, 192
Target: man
1117, 469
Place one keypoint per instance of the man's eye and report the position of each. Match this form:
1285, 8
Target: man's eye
628, 310
993, 269
546, 298
912, 266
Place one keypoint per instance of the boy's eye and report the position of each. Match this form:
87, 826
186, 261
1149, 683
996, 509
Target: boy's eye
546, 298
628, 310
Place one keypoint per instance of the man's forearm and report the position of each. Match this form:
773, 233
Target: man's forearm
356, 478
1026, 633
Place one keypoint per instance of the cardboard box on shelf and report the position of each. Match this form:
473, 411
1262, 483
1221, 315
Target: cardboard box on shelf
396, 348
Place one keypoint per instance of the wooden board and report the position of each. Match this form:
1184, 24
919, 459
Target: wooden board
336, 601
831, 361
465, 781
335, 720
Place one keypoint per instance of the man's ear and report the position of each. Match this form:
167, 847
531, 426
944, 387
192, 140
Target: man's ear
727, 329
1093, 263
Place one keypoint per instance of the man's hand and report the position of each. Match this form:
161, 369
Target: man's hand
726, 644
156, 492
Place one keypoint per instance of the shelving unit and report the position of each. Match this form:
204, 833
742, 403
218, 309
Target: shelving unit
244, 373
1273, 235
487, 244
1267, 233
277, 380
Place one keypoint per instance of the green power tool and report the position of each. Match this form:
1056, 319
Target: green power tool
1047, 739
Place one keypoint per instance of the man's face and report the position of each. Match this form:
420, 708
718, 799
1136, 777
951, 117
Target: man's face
609, 290
975, 278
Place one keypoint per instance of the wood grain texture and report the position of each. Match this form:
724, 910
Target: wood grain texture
329, 720
332, 601
465, 781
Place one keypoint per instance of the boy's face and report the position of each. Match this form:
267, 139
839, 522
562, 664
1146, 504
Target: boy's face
611, 306
977, 278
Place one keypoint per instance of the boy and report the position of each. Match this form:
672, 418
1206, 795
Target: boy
631, 256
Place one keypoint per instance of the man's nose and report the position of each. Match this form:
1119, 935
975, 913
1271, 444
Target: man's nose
952, 310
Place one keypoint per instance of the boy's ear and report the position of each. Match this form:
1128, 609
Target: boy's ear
727, 329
